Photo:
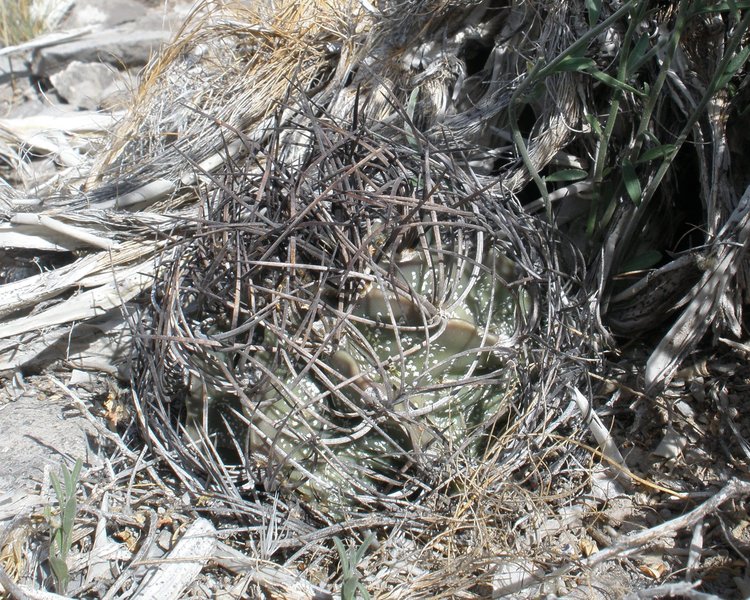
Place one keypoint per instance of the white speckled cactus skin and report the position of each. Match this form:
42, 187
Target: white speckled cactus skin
403, 377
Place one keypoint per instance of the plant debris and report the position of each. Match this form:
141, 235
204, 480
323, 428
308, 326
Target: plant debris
410, 294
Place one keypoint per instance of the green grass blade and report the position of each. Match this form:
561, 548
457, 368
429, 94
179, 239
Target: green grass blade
643, 261
593, 9
630, 179
573, 63
638, 55
662, 152
359, 554
734, 65
615, 83
566, 175
60, 571
343, 555
58, 489
728, 6
594, 123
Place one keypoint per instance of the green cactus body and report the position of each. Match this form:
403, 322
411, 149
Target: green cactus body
396, 388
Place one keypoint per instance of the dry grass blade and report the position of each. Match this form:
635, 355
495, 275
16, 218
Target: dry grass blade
728, 252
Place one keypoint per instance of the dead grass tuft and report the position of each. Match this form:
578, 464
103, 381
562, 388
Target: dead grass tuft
18, 23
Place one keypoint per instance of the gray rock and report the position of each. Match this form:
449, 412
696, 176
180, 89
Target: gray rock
103, 15
106, 14
87, 85
123, 47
